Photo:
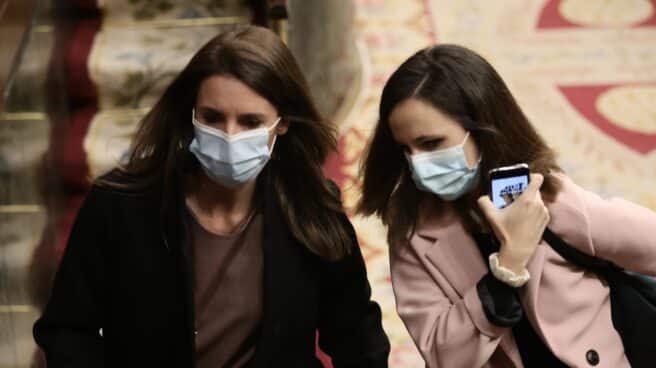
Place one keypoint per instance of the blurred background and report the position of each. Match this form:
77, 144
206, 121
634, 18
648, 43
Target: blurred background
77, 75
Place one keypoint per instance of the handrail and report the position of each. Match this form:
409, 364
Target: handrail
177, 23
20, 53
39, 115
272, 14
278, 18
21, 208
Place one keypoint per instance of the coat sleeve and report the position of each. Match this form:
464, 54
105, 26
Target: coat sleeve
69, 328
350, 325
614, 229
447, 334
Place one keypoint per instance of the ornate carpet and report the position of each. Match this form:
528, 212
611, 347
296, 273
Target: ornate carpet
584, 71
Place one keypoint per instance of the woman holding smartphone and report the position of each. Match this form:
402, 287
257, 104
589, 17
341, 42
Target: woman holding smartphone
220, 243
476, 286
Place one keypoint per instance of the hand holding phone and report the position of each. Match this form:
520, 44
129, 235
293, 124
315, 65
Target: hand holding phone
519, 227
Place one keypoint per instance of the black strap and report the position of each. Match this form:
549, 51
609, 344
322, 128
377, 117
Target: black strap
577, 257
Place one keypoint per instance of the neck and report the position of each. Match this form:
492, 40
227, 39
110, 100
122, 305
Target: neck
433, 208
215, 199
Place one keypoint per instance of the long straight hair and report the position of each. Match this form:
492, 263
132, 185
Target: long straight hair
258, 58
465, 87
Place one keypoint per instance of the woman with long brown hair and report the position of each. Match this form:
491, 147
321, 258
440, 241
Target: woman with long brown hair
475, 285
219, 243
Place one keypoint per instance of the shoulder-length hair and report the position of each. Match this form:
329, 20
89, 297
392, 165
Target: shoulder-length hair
465, 87
258, 58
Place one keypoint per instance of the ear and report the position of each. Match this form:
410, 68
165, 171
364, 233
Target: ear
283, 126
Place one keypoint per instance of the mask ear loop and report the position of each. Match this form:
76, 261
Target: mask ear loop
273, 126
275, 136
480, 157
465, 140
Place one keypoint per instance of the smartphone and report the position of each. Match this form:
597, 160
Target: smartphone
507, 183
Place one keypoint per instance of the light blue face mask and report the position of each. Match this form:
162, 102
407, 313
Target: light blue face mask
444, 172
235, 159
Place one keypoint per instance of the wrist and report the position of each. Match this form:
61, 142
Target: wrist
506, 275
511, 262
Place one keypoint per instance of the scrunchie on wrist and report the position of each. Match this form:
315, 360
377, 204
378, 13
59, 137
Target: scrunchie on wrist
506, 275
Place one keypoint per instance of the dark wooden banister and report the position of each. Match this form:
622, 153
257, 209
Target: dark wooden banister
272, 14
16, 19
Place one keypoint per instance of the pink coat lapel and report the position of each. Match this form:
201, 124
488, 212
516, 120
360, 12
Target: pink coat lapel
457, 257
455, 254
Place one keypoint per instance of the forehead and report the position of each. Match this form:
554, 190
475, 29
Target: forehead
413, 118
229, 94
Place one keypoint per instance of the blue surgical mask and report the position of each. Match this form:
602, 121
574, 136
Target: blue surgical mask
231, 160
444, 172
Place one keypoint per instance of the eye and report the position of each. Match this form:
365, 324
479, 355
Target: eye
251, 121
212, 117
430, 145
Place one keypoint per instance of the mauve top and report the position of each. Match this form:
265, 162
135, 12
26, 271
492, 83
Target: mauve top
227, 293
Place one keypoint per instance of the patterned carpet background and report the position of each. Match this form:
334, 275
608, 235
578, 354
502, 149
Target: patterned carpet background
584, 71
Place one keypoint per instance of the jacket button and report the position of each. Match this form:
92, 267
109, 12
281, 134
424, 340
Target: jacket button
592, 357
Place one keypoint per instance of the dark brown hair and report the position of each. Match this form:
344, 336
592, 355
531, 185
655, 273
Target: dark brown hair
258, 58
464, 86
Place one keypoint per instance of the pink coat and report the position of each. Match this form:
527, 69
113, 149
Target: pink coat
434, 280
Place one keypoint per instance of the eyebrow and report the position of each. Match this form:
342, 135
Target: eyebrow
425, 138
258, 115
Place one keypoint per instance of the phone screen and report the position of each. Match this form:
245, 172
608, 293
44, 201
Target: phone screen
505, 190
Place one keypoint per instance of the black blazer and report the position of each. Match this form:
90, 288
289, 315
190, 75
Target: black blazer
129, 275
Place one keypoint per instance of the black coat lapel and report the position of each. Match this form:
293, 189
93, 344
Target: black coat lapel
275, 246
175, 235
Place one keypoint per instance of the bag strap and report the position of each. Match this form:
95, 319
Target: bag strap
576, 256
